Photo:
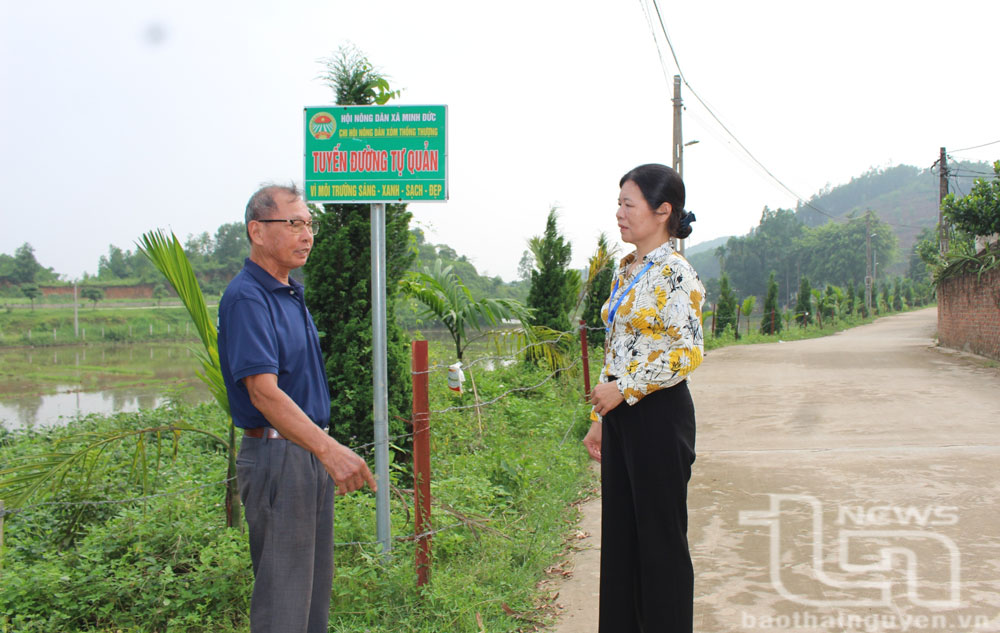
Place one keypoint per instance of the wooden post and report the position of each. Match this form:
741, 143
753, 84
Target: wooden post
421, 460
586, 358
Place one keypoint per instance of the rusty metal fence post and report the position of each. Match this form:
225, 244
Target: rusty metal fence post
421, 461
586, 358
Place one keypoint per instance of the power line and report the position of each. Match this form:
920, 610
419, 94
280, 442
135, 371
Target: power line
954, 178
958, 171
708, 109
976, 146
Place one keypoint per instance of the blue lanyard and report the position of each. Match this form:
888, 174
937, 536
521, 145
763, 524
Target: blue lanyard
616, 303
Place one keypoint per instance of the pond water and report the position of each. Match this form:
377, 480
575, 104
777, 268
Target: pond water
44, 386
50, 386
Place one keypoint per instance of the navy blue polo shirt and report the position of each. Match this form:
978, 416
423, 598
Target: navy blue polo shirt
265, 328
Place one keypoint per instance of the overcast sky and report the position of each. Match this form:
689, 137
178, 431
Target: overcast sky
120, 117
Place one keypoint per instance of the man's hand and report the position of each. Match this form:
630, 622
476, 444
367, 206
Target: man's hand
593, 440
349, 471
605, 397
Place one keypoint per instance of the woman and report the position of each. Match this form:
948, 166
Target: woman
642, 429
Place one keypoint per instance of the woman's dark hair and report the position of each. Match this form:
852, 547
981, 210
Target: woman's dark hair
659, 184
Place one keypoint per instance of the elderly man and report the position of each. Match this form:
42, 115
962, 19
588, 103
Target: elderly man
288, 465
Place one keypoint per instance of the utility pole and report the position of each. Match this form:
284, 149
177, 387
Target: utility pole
942, 192
678, 153
868, 261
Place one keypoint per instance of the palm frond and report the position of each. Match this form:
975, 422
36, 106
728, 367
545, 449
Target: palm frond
448, 299
36, 474
538, 344
167, 254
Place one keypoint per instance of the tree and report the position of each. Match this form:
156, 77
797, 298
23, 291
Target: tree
114, 265
601, 270
231, 247
725, 311
770, 323
338, 280
803, 306
897, 294
772, 245
720, 254
830, 301
354, 80
552, 287
446, 298
919, 261
747, 309
978, 213
525, 266
32, 292
93, 294
820, 304
159, 292
835, 252
25, 266
849, 301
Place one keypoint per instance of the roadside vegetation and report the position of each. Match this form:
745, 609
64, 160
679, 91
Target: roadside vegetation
81, 558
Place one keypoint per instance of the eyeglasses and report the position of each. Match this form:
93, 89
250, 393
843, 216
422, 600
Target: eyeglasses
298, 225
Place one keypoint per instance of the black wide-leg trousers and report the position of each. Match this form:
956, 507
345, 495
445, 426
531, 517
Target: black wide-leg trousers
647, 580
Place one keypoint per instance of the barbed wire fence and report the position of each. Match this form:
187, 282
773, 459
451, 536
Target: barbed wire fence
461, 520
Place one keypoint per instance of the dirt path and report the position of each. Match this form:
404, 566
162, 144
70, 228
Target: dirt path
848, 483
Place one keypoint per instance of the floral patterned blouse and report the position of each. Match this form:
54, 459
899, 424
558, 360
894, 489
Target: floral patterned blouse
656, 338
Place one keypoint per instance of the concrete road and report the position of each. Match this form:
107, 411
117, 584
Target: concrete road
849, 483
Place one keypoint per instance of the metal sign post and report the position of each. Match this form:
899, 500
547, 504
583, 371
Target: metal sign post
379, 376
377, 154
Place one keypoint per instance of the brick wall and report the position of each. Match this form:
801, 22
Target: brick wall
969, 313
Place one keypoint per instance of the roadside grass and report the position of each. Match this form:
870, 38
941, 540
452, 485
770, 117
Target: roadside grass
794, 332
503, 486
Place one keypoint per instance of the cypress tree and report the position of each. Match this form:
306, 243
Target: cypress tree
803, 306
769, 324
725, 312
551, 285
600, 288
338, 277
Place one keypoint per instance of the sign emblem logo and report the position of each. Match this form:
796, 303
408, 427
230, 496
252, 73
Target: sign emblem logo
322, 126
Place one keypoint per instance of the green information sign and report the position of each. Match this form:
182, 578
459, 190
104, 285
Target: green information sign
376, 153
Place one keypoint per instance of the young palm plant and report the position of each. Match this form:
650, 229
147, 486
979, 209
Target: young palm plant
446, 298
169, 257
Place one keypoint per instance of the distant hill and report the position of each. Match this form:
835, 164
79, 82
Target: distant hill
701, 247
702, 257
904, 196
